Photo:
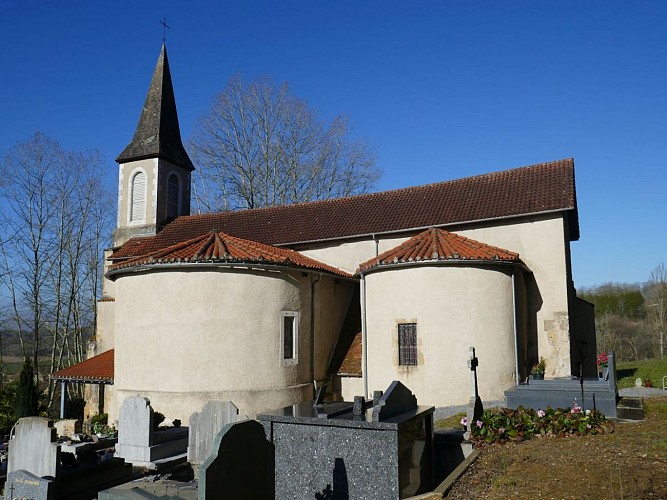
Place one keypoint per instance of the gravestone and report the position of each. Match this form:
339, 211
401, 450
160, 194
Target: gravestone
475, 406
240, 465
33, 447
205, 426
139, 444
341, 450
23, 484
67, 427
396, 400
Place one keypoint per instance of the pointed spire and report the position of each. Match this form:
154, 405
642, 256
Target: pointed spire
158, 134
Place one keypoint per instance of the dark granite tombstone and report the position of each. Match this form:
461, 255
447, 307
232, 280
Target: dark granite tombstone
562, 393
23, 484
328, 452
240, 466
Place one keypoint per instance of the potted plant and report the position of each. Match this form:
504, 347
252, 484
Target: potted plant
538, 369
648, 382
603, 366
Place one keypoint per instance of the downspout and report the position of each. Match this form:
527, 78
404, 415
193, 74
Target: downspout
516, 335
364, 343
312, 332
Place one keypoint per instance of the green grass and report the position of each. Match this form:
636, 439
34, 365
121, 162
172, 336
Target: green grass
628, 371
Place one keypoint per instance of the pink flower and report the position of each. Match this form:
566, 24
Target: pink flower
540, 413
588, 426
479, 423
501, 430
464, 422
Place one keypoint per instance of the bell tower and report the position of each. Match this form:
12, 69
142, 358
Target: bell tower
154, 174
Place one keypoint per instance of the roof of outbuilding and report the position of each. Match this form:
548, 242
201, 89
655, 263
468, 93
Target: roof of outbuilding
542, 188
158, 134
98, 369
224, 248
438, 245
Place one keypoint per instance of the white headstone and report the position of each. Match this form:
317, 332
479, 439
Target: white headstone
205, 426
33, 447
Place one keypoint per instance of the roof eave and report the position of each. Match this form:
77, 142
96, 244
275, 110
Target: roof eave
422, 228
442, 262
140, 268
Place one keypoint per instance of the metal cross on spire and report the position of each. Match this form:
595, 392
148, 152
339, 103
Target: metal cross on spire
164, 29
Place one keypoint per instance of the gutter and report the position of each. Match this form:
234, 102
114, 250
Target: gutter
364, 337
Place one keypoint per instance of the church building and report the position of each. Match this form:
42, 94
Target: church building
264, 306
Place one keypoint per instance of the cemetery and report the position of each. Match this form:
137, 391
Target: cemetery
385, 447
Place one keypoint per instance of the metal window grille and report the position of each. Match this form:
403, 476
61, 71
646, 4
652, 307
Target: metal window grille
407, 344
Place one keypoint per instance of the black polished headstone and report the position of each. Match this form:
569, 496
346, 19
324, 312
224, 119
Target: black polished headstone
396, 400
240, 465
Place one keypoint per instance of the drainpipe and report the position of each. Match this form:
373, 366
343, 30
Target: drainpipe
312, 332
63, 397
364, 343
516, 335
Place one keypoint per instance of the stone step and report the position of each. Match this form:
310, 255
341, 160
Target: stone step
630, 409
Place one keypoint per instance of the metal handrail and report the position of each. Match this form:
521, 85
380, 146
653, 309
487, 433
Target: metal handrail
664, 383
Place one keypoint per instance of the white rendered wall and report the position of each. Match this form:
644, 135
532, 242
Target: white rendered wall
186, 337
454, 308
540, 243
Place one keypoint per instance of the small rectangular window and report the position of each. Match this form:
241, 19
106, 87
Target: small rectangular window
407, 344
289, 332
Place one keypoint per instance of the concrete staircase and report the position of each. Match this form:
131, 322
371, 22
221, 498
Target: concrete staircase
629, 408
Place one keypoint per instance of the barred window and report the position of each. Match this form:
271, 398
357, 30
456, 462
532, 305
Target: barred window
407, 344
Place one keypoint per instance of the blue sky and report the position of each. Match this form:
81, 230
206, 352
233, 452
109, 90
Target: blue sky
442, 90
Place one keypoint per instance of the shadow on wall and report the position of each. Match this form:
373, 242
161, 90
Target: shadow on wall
534, 299
340, 490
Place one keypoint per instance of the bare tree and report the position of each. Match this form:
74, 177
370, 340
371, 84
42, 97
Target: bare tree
259, 145
52, 232
655, 292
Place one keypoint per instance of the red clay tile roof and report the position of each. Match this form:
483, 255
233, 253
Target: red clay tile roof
546, 187
96, 369
351, 365
221, 247
434, 245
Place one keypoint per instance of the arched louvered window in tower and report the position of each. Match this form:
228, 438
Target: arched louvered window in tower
173, 194
138, 205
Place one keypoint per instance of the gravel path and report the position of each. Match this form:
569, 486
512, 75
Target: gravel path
646, 392
448, 411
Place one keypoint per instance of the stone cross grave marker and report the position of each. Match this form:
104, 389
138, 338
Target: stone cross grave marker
475, 406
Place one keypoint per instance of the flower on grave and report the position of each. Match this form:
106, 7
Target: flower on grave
464, 422
588, 412
575, 407
479, 423
603, 360
588, 426
501, 430
540, 413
